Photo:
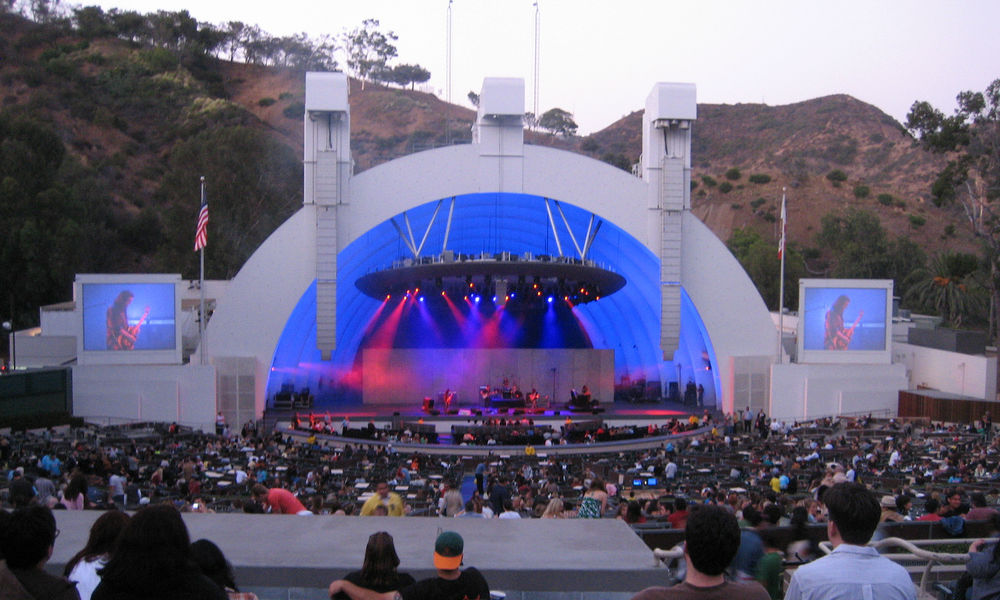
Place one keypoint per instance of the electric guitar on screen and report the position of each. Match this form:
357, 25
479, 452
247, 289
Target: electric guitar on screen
128, 335
844, 339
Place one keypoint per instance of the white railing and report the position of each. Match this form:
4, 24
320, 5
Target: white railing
933, 562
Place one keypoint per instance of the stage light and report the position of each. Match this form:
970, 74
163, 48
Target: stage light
421, 298
494, 299
475, 299
550, 299
387, 296
443, 293
512, 296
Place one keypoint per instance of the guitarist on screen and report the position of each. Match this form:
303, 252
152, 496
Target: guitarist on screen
121, 335
837, 337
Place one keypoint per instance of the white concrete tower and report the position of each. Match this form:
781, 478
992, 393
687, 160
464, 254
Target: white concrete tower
499, 134
327, 172
666, 167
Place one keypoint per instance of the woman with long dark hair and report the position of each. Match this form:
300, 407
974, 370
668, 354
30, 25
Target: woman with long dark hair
83, 567
74, 497
379, 571
153, 560
214, 565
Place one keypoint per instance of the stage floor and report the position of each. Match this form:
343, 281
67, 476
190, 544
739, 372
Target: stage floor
611, 413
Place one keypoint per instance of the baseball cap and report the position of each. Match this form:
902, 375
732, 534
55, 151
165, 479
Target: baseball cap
448, 551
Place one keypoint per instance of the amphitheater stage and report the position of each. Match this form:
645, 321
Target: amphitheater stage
615, 414
279, 556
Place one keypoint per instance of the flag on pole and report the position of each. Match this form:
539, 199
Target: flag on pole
201, 234
781, 242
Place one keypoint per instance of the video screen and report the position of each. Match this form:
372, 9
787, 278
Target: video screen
121, 317
840, 319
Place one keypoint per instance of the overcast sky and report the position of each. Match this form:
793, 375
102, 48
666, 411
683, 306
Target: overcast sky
599, 59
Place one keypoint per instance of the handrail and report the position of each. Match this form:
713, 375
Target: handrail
663, 557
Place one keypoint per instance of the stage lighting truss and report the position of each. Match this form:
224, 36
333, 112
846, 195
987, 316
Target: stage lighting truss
503, 278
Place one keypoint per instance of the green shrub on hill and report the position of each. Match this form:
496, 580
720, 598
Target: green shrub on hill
760, 178
725, 187
733, 174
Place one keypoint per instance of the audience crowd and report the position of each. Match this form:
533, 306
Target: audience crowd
765, 474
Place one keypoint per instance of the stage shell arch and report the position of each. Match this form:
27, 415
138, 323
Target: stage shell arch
265, 314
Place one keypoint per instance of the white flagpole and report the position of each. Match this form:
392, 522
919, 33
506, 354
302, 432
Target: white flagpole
201, 288
781, 285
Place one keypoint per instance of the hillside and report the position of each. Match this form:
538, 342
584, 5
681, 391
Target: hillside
797, 146
129, 129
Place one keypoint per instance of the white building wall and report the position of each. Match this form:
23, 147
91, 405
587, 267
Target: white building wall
800, 391
249, 319
952, 372
124, 393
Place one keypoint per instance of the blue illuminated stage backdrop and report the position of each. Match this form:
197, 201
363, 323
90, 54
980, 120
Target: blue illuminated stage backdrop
626, 322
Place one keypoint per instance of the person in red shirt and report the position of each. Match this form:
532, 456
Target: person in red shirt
678, 518
279, 501
933, 508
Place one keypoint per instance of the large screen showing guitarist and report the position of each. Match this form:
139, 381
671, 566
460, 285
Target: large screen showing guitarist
838, 337
121, 335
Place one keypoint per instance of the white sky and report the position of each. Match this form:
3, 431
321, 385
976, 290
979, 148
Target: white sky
600, 58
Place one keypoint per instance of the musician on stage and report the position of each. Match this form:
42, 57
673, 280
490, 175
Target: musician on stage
838, 337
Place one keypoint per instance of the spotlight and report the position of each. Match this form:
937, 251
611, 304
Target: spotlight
421, 298
550, 299
476, 299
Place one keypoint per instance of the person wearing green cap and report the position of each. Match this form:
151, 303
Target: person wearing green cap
451, 583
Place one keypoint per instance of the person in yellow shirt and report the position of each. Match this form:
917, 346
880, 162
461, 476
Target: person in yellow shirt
382, 496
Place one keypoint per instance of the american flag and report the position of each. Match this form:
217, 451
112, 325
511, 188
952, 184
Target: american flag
201, 234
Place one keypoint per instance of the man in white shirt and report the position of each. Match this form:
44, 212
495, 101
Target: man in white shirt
670, 471
853, 570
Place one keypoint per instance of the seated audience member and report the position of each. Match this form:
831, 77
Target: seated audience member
889, 510
74, 497
554, 509
852, 570
213, 564
451, 583
27, 541
953, 504
983, 568
980, 511
153, 561
678, 518
20, 491
933, 508
83, 567
279, 501
711, 537
379, 572
770, 567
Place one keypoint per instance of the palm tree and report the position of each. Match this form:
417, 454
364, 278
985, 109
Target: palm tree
948, 287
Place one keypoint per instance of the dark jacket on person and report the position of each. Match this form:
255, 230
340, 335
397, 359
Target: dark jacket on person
189, 584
